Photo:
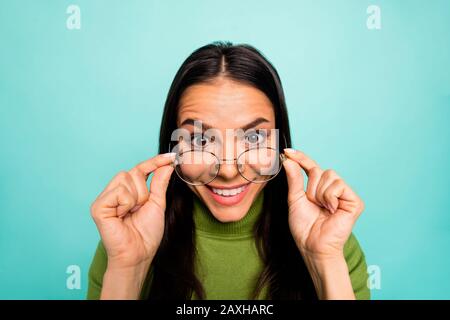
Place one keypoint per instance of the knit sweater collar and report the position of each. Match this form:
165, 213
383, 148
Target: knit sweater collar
206, 222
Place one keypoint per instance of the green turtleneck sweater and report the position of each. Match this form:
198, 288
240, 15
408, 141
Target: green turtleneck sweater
227, 261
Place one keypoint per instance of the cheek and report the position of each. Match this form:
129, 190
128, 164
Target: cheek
258, 187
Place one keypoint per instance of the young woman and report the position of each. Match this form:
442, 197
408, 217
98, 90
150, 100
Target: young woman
220, 230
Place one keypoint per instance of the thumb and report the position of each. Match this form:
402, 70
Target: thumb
158, 185
295, 180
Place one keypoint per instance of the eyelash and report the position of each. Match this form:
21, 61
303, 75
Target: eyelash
264, 133
193, 136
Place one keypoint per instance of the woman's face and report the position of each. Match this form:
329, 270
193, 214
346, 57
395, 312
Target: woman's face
226, 104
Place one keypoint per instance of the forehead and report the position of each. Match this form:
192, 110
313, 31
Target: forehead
224, 104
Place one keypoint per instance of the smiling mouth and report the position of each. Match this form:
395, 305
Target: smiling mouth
228, 192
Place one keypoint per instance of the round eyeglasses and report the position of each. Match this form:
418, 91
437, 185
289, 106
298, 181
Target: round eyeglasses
256, 165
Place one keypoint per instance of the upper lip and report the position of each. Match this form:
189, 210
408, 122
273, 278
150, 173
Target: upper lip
228, 187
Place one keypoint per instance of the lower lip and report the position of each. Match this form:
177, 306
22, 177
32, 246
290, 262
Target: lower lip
229, 200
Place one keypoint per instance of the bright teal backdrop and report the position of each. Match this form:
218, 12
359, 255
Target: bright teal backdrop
77, 106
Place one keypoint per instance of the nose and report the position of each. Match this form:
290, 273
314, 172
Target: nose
228, 169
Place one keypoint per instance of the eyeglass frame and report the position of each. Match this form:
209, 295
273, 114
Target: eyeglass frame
281, 155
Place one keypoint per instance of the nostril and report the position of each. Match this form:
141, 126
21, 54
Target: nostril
228, 170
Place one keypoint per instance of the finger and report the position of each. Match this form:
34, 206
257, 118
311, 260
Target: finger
140, 184
341, 196
112, 184
119, 199
158, 186
129, 184
143, 169
305, 162
312, 170
148, 166
327, 178
295, 180
141, 172
315, 175
122, 177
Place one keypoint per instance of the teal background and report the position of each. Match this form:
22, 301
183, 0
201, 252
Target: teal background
77, 106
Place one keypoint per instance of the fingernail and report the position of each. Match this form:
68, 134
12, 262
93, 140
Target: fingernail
289, 150
169, 155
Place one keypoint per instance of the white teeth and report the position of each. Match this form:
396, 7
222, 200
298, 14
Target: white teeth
228, 192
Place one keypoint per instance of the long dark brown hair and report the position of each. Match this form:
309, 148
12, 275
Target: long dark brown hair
284, 271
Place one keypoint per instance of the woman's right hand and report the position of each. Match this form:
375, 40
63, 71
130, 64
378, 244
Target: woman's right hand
129, 217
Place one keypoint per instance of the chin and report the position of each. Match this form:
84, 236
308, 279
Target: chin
230, 214
230, 208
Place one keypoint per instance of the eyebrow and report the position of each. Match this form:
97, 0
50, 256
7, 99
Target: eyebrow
249, 125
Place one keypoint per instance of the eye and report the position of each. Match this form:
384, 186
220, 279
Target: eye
256, 137
201, 141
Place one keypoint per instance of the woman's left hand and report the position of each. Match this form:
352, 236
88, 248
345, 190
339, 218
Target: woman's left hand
320, 219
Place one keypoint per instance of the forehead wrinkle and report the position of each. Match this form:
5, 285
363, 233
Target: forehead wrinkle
224, 103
